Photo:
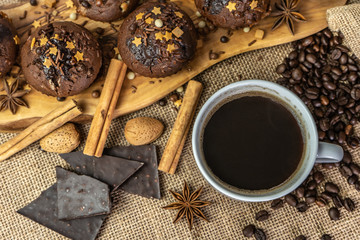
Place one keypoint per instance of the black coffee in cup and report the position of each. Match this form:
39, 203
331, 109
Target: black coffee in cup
253, 143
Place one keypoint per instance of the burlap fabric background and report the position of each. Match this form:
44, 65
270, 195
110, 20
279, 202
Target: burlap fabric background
28, 173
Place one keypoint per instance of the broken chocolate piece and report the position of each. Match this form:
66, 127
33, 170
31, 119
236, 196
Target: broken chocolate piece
80, 196
144, 182
43, 210
108, 169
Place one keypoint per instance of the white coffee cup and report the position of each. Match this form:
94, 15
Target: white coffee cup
314, 151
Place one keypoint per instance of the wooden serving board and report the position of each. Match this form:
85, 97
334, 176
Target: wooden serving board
149, 90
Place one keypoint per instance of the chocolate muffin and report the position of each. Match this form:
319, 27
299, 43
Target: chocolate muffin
157, 39
105, 10
8, 44
61, 59
234, 13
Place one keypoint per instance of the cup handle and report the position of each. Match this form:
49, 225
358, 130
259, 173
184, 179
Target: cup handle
329, 153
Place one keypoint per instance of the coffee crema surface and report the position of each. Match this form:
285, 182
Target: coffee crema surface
253, 143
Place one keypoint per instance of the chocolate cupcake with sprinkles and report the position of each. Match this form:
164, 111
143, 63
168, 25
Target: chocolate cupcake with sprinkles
61, 59
157, 39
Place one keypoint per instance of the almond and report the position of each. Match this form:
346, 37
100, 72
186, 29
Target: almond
143, 130
62, 140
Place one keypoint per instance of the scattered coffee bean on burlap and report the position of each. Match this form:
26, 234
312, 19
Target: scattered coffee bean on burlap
277, 204
331, 187
334, 214
260, 234
349, 204
249, 230
262, 215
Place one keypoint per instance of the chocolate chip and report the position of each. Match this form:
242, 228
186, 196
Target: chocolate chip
33, 2
95, 94
162, 102
224, 39
85, 4
60, 99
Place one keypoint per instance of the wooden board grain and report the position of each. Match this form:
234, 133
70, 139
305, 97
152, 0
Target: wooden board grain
149, 90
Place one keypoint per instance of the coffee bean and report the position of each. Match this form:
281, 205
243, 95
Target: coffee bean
291, 200
334, 214
353, 142
324, 100
224, 39
310, 193
277, 204
336, 54
324, 124
357, 186
262, 215
345, 171
293, 55
352, 77
300, 237
329, 85
355, 168
249, 230
302, 206
318, 177
318, 112
298, 89
349, 204
338, 202
341, 138
310, 200
300, 192
326, 195
297, 74
331, 187
311, 185
352, 68
321, 135
260, 234
326, 237
352, 179
301, 57
343, 59
336, 71
293, 63
307, 41
321, 202
355, 93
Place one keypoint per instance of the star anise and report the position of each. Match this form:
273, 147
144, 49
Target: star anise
188, 205
13, 97
287, 11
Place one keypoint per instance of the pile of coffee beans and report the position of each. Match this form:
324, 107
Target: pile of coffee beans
321, 72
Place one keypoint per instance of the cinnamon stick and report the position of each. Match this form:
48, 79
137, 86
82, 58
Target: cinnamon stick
175, 144
39, 129
102, 110
109, 116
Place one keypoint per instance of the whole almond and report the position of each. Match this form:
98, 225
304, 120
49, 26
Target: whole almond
62, 140
143, 130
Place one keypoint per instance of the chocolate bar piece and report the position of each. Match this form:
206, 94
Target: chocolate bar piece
108, 169
144, 182
80, 196
43, 210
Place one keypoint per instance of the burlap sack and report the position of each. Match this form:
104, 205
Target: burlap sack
25, 175
347, 20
